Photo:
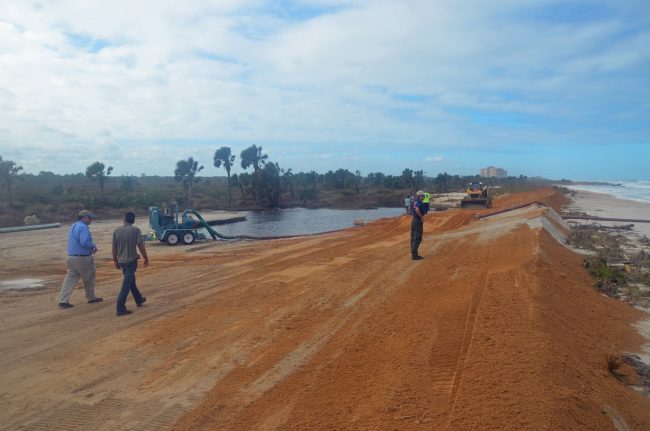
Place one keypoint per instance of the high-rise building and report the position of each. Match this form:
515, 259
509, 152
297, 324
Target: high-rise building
492, 172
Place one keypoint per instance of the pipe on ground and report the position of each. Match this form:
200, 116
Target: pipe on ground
32, 227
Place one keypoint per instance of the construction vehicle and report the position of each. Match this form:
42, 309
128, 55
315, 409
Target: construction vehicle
173, 229
478, 196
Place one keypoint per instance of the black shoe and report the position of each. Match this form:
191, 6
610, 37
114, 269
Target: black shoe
123, 313
417, 258
144, 299
92, 301
65, 305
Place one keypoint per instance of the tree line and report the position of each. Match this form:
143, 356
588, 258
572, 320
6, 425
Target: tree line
264, 184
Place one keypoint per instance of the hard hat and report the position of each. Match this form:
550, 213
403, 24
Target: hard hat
420, 193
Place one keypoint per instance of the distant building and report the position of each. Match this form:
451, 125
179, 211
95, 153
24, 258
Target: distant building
492, 172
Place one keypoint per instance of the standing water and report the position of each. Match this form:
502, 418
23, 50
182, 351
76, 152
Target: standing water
300, 221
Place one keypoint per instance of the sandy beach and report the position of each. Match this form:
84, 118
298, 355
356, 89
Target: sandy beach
497, 328
604, 205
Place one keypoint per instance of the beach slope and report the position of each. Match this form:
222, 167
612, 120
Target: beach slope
497, 327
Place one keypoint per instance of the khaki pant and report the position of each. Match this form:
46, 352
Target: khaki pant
78, 267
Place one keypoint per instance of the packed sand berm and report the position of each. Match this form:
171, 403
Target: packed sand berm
498, 328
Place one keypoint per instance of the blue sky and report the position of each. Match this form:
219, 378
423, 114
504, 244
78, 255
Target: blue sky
559, 89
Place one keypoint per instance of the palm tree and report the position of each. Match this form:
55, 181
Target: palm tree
252, 156
95, 172
222, 155
8, 173
185, 173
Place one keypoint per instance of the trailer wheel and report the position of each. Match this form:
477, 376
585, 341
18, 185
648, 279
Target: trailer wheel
172, 238
188, 238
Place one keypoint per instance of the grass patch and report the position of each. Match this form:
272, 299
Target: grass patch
605, 242
608, 279
616, 272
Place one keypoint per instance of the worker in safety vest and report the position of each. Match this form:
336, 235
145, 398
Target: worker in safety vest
417, 225
425, 201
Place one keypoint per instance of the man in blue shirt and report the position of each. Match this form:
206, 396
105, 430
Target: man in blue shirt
80, 261
417, 225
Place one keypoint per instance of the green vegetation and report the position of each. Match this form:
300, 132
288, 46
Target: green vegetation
95, 172
252, 156
608, 279
58, 197
8, 174
223, 155
616, 272
185, 174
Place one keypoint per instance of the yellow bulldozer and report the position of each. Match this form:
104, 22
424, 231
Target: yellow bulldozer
478, 196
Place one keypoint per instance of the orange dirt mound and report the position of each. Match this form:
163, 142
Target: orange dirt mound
497, 328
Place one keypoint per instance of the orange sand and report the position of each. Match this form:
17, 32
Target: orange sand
497, 328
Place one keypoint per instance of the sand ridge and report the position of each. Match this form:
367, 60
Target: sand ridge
337, 331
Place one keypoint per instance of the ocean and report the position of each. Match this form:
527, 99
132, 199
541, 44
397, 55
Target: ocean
631, 190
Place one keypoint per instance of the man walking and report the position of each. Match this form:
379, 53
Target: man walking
408, 203
125, 257
417, 225
80, 262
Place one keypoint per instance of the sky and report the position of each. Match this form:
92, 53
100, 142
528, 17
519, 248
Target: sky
558, 89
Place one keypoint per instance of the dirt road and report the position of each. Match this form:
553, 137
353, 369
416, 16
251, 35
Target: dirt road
497, 328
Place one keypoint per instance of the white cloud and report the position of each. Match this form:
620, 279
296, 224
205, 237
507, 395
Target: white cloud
139, 85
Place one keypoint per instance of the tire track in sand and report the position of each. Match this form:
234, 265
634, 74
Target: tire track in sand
468, 335
456, 329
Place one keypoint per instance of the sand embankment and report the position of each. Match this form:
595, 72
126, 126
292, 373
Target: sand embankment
497, 328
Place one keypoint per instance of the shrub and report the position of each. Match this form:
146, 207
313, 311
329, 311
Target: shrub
582, 239
58, 190
608, 279
614, 364
633, 294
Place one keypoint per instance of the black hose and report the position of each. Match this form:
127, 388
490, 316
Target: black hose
216, 234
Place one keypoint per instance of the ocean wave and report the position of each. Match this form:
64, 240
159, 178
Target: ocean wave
630, 190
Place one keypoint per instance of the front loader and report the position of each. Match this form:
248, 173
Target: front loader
478, 196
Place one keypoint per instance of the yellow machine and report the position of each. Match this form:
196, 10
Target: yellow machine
478, 195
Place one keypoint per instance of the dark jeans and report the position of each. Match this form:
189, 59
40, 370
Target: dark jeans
128, 284
416, 235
